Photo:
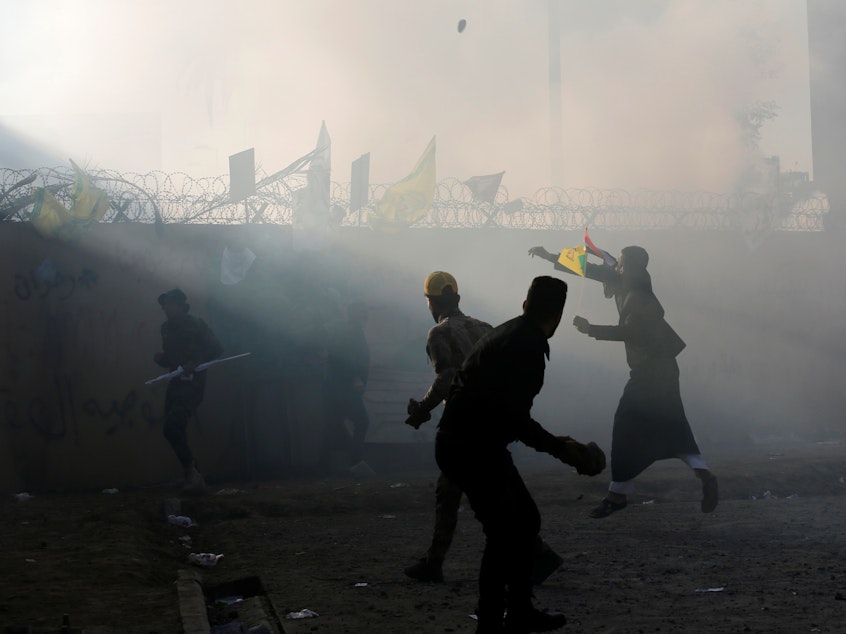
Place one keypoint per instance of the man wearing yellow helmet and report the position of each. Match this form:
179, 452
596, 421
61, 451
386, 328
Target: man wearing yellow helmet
446, 346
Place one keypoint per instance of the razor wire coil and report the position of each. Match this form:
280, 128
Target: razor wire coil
178, 198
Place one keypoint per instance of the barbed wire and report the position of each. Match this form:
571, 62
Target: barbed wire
177, 198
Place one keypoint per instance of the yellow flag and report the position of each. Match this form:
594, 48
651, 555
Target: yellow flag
409, 200
48, 215
574, 259
89, 203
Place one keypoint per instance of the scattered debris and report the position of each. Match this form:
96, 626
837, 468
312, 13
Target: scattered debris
302, 614
181, 520
206, 560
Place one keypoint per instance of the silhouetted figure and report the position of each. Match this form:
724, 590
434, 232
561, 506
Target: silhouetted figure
186, 342
447, 345
489, 406
650, 422
348, 366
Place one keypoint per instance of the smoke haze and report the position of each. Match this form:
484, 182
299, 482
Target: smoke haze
651, 90
651, 94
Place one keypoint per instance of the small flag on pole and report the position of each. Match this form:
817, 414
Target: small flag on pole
89, 203
574, 259
88, 206
609, 259
484, 188
409, 200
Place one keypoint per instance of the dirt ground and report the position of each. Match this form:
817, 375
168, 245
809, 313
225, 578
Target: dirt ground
769, 559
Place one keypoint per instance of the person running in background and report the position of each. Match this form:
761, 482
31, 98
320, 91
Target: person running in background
348, 368
187, 341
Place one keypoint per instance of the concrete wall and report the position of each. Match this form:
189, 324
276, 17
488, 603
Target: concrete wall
79, 324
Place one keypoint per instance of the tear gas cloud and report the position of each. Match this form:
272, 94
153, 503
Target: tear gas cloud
651, 90
651, 94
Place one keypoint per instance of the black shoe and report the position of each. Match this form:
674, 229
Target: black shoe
425, 570
606, 507
544, 564
533, 621
710, 494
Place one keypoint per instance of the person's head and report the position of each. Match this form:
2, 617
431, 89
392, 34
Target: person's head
633, 258
632, 268
545, 301
441, 291
174, 303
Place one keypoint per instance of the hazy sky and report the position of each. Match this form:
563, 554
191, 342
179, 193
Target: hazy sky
650, 87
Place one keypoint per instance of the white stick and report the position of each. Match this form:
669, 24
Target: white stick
178, 371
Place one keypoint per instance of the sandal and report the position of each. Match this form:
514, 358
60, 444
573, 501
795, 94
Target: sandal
710, 494
606, 507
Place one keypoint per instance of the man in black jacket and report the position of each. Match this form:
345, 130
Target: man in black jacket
447, 345
489, 406
187, 341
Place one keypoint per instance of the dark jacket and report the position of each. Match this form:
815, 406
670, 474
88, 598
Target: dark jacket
188, 339
610, 278
490, 401
648, 337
